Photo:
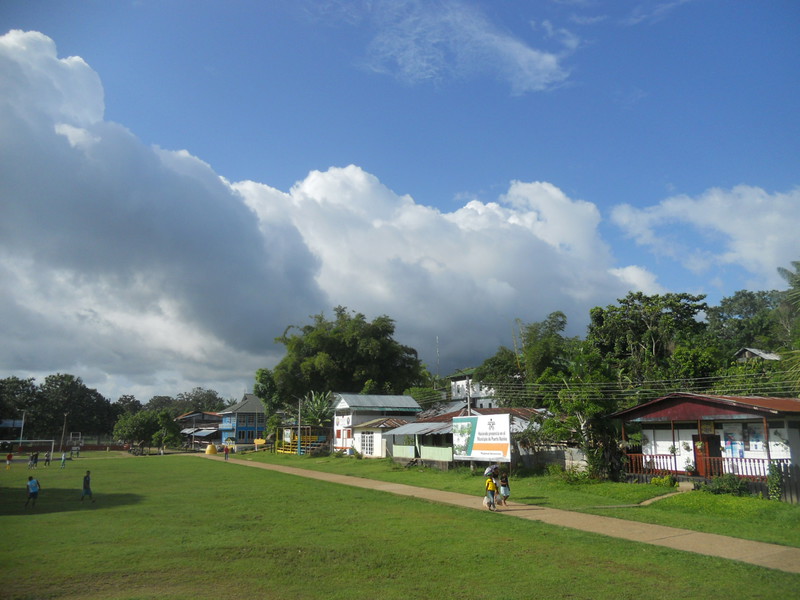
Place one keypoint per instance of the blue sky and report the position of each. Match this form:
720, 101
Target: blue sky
207, 173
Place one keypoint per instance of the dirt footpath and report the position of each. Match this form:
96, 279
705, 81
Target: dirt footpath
773, 556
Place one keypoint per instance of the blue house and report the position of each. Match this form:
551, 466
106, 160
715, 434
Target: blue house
244, 422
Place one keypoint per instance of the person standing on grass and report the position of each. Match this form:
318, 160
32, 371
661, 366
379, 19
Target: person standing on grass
63, 459
226, 451
47, 458
33, 486
87, 487
491, 492
9, 458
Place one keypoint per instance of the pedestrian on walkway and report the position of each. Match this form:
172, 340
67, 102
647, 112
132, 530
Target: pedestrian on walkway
33, 486
505, 489
87, 487
491, 492
226, 451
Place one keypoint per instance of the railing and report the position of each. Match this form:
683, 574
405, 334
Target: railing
750, 468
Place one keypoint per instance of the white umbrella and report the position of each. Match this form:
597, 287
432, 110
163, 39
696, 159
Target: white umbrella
489, 469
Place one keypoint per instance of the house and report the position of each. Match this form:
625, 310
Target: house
430, 438
748, 354
351, 410
463, 387
200, 427
244, 422
710, 435
370, 437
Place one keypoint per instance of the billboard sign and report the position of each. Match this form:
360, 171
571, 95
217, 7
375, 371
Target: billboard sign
482, 437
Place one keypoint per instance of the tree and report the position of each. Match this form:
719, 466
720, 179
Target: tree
640, 334
543, 345
317, 409
128, 404
503, 372
138, 428
87, 410
343, 355
267, 391
16, 395
746, 320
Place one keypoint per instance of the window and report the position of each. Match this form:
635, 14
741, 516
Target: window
367, 443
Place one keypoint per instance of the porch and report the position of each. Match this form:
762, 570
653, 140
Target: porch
755, 469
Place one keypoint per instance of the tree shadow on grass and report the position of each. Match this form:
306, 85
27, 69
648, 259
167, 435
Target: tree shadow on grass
55, 500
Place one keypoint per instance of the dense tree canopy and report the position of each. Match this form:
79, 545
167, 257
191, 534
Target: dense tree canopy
346, 354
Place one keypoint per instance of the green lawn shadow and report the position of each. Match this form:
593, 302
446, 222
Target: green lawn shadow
58, 500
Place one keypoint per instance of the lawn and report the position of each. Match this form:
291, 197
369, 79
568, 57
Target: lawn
184, 527
744, 517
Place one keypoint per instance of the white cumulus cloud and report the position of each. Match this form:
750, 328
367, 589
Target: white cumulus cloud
143, 271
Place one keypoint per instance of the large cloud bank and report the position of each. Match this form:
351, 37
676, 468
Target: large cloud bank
143, 271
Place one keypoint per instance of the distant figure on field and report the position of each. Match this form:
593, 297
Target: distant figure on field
226, 451
47, 458
63, 459
87, 487
9, 458
33, 490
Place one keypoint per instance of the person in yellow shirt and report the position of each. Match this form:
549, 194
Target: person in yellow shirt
491, 492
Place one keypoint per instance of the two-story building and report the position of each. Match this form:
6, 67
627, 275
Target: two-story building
244, 422
351, 410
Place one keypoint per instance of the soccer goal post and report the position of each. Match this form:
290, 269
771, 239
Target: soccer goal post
28, 446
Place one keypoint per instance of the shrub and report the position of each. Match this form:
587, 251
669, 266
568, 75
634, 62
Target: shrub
774, 482
667, 480
727, 484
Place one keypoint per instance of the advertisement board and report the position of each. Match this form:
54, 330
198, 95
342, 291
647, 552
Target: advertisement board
482, 437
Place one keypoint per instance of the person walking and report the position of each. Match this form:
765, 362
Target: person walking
9, 458
33, 486
227, 451
87, 487
63, 459
505, 489
47, 458
491, 492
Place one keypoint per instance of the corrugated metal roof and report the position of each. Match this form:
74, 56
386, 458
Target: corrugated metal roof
771, 404
382, 423
427, 428
758, 353
249, 404
377, 402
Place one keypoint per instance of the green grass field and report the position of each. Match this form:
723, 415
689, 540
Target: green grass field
744, 517
185, 527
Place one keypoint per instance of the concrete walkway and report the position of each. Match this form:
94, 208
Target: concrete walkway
773, 556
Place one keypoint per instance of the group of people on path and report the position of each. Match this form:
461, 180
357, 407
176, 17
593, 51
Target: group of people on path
34, 487
497, 488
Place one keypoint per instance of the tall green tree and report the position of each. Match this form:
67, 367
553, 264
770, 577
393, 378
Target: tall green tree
640, 333
342, 355
746, 320
86, 410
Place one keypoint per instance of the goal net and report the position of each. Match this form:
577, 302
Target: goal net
28, 447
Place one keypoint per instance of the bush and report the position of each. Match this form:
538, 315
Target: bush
727, 484
667, 480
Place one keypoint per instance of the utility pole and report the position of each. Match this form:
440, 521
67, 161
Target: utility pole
21, 429
63, 431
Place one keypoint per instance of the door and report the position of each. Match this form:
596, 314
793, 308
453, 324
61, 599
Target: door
707, 448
